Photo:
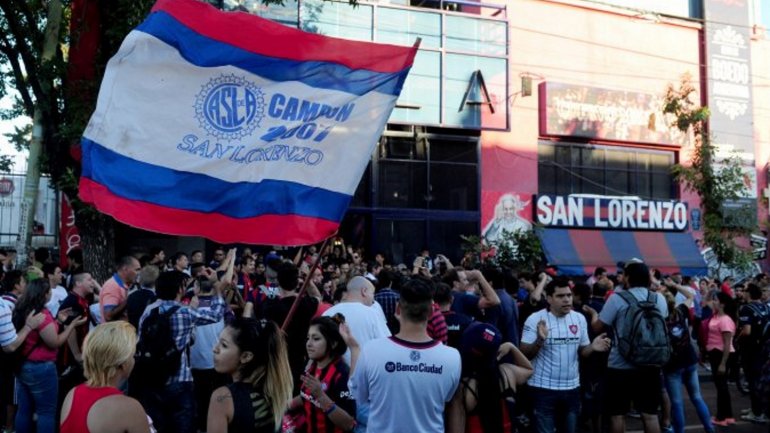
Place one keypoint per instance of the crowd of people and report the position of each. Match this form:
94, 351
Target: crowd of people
335, 341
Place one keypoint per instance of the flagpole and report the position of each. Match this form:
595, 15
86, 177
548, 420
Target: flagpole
302, 290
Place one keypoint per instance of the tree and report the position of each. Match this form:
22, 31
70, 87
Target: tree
58, 87
715, 182
63, 88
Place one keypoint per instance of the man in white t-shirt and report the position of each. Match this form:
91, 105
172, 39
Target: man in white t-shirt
409, 378
553, 338
364, 316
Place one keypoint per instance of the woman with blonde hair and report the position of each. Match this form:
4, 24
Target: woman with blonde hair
97, 406
254, 354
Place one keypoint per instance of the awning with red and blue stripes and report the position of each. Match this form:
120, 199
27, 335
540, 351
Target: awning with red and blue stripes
579, 251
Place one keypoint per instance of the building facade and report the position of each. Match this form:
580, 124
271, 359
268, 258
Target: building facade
519, 112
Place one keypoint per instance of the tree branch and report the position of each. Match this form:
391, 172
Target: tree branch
21, 85
30, 62
23, 6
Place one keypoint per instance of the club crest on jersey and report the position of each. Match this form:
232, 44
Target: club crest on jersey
414, 356
573, 329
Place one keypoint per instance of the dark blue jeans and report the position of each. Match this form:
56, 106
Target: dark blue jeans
555, 410
172, 408
38, 388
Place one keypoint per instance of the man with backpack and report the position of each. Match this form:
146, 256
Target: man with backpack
753, 319
641, 347
162, 380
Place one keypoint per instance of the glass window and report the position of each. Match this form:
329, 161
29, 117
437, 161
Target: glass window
472, 35
361, 198
403, 148
585, 169
618, 182
682, 8
405, 180
617, 160
546, 179
444, 237
459, 71
418, 102
337, 19
453, 150
402, 27
402, 239
453, 186
403, 184
285, 13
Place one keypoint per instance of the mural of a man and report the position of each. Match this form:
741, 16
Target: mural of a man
506, 218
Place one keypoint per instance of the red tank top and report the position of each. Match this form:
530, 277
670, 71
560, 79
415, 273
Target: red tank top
83, 399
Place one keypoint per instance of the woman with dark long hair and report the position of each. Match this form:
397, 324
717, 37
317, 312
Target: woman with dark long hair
324, 393
37, 376
719, 345
491, 372
253, 352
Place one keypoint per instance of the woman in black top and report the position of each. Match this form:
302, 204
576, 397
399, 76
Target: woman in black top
254, 354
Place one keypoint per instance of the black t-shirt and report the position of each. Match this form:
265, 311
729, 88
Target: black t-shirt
468, 304
527, 308
136, 304
756, 315
296, 333
455, 325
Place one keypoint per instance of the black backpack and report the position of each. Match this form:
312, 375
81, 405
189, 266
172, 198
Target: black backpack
679, 334
763, 313
641, 332
157, 356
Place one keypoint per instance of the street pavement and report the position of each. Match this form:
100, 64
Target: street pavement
708, 390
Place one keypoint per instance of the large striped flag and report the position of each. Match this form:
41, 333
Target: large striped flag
235, 128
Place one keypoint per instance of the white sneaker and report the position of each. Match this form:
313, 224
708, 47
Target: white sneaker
758, 419
745, 411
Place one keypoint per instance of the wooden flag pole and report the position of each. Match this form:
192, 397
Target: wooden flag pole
302, 290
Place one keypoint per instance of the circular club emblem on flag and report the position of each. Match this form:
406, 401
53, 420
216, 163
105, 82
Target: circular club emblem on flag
229, 107
6, 187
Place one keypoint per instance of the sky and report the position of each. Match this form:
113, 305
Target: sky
6, 148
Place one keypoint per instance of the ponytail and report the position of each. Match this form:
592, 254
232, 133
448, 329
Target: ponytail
278, 383
269, 365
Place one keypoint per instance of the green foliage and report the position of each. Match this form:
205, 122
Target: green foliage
6, 164
714, 183
519, 250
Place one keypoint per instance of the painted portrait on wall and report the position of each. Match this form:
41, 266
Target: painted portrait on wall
507, 216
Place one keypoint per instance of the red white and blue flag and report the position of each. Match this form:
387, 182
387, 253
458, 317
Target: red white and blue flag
236, 128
